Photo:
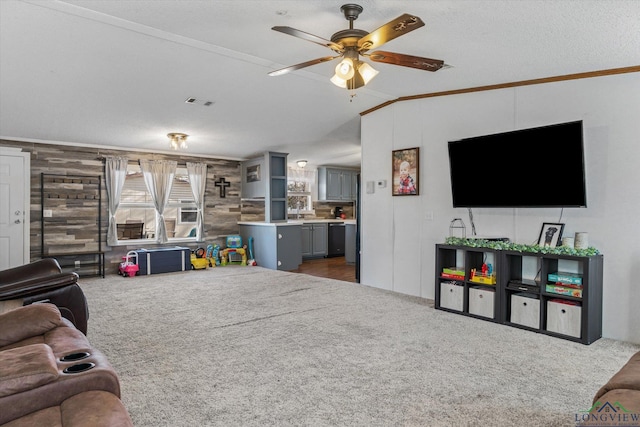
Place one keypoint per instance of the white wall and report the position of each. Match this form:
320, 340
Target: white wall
399, 238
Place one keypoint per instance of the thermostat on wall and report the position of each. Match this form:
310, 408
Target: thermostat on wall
382, 183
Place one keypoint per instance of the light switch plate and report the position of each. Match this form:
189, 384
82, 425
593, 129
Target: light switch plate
371, 187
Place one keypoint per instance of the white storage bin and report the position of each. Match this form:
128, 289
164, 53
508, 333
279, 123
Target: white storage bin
525, 310
564, 319
481, 302
451, 296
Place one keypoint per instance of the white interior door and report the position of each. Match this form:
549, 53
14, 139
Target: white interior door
14, 208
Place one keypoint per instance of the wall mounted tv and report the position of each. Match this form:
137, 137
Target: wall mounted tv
535, 167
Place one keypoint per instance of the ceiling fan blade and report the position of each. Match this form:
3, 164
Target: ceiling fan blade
389, 31
427, 64
310, 38
302, 65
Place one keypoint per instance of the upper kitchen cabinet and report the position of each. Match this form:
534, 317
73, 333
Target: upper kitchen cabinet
266, 178
336, 184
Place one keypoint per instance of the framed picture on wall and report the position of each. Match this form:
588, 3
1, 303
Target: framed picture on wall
406, 172
550, 234
253, 173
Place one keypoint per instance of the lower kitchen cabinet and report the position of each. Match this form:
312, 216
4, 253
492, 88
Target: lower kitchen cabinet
350, 234
314, 240
275, 246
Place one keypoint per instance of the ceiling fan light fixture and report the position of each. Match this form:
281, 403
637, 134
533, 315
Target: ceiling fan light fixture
345, 69
177, 140
367, 72
336, 80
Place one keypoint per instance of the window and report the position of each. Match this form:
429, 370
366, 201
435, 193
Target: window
299, 188
187, 215
136, 215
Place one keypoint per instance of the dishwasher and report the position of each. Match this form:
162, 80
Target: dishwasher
335, 243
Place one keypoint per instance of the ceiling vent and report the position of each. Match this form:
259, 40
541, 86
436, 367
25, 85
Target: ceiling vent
199, 102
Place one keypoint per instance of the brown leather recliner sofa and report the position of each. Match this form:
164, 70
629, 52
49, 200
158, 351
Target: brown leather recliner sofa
618, 401
623, 388
51, 375
44, 281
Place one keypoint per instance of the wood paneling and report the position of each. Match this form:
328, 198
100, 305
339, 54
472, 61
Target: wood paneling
221, 214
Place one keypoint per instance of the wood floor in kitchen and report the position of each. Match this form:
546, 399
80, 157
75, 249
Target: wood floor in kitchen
332, 268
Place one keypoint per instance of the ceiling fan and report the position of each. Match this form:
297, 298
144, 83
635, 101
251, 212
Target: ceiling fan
351, 72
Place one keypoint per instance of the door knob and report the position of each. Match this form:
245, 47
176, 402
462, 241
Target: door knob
18, 212
17, 221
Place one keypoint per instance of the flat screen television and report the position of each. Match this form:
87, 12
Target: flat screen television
535, 167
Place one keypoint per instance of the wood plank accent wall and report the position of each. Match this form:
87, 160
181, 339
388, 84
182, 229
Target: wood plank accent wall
73, 201
221, 214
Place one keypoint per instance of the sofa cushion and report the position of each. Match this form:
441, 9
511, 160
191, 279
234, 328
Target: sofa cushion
28, 321
26, 368
101, 376
90, 408
622, 400
628, 377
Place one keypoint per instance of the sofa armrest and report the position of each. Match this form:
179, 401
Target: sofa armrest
71, 302
40, 268
627, 378
29, 286
28, 321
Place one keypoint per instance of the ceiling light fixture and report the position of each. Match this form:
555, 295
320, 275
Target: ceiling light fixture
177, 140
351, 73
301, 163
352, 44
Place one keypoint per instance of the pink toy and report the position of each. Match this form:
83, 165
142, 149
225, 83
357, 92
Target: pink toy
129, 265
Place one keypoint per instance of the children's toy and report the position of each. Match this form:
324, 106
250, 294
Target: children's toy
252, 260
233, 251
198, 259
129, 265
213, 254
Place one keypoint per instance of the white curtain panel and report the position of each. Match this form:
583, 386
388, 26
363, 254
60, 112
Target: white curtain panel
198, 181
158, 176
115, 175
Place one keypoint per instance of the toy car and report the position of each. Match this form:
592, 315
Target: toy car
198, 260
129, 265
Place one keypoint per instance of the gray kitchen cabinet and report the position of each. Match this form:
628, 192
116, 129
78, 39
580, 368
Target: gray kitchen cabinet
266, 178
336, 184
314, 240
350, 243
277, 247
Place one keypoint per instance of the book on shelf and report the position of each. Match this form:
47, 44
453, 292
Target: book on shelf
564, 290
458, 271
567, 278
452, 276
567, 285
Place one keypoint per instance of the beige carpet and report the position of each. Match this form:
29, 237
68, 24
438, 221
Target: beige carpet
247, 346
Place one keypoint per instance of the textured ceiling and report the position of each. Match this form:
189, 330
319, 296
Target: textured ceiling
117, 72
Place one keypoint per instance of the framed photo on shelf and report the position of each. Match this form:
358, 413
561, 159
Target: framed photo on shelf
550, 234
406, 171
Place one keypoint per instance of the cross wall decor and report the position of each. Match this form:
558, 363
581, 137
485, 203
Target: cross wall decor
223, 184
